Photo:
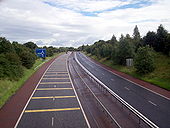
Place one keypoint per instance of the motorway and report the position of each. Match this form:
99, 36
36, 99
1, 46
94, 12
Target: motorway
102, 110
67, 97
153, 106
54, 102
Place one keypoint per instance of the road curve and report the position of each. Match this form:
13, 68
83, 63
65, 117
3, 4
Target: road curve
153, 106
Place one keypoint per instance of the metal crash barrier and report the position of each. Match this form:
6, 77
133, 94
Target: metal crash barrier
141, 117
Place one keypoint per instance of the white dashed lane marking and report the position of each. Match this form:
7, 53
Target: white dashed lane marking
112, 80
152, 103
127, 88
52, 121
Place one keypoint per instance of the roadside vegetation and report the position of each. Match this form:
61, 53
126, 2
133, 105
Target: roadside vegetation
150, 54
18, 62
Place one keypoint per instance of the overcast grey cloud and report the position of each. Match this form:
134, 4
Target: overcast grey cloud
77, 22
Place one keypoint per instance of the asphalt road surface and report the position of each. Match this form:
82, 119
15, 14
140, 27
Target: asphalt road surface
155, 107
54, 102
102, 110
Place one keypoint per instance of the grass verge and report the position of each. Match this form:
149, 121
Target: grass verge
8, 87
159, 77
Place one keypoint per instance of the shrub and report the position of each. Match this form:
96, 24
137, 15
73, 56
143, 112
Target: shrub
144, 60
5, 46
10, 66
28, 59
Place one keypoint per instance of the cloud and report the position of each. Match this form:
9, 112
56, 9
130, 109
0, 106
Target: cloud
77, 22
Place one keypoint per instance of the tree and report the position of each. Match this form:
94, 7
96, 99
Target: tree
88, 49
10, 66
167, 46
5, 46
144, 60
113, 40
161, 42
26, 56
136, 34
124, 50
150, 39
107, 50
28, 59
81, 48
31, 45
136, 37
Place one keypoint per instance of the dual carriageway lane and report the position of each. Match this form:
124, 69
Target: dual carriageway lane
54, 102
152, 105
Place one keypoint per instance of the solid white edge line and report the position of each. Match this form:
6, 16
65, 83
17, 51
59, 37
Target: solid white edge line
99, 101
39, 65
88, 124
31, 96
128, 80
155, 126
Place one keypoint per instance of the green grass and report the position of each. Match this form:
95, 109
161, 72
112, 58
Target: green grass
159, 77
8, 87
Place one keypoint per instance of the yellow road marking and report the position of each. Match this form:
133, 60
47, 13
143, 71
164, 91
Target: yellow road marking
57, 78
56, 72
51, 97
56, 75
55, 82
52, 110
54, 88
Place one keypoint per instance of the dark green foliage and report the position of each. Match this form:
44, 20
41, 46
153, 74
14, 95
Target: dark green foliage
71, 49
127, 46
150, 39
113, 40
10, 66
167, 46
81, 48
162, 40
12, 57
26, 56
136, 38
49, 50
5, 46
31, 45
100, 49
136, 34
124, 50
144, 60
28, 59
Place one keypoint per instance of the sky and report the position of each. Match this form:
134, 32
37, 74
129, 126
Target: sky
73, 23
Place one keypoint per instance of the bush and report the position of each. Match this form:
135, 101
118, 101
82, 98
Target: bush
28, 59
10, 66
26, 56
5, 46
144, 60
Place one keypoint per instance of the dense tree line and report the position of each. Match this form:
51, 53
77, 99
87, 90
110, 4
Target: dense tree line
14, 57
136, 47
